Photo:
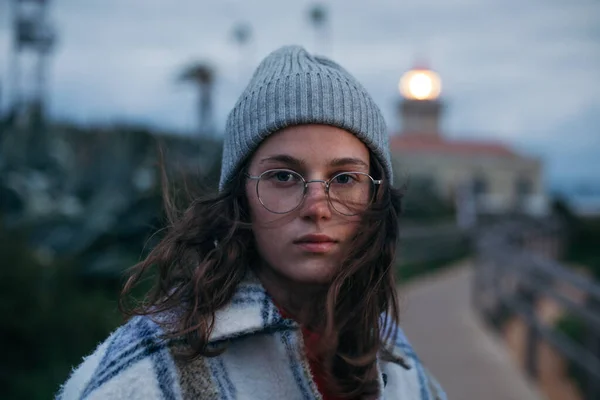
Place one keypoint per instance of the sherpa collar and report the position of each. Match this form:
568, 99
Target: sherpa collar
252, 311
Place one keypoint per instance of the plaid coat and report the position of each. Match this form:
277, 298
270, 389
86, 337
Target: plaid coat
265, 359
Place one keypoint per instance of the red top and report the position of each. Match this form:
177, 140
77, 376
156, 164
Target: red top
310, 340
316, 367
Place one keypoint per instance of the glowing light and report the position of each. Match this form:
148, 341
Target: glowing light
420, 84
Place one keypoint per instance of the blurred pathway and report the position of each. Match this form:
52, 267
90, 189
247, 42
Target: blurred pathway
469, 362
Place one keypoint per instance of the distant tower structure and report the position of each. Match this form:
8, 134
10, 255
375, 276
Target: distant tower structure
202, 76
242, 38
420, 106
318, 15
33, 38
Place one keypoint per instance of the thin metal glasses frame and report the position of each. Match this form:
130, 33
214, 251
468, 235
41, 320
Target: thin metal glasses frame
327, 183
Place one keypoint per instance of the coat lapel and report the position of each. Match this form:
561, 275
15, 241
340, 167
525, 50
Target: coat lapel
250, 311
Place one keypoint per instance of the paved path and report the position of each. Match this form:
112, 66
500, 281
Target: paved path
468, 361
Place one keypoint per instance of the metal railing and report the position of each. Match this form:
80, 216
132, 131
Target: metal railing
510, 279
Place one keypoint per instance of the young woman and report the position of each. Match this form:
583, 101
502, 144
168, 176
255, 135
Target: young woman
280, 286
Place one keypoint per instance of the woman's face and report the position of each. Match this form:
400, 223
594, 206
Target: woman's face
306, 244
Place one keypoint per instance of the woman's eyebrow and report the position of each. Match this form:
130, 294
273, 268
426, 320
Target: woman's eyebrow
295, 162
338, 162
283, 158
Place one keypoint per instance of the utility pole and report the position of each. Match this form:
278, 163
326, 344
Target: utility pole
318, 15
33, 41
242, 38
32, 35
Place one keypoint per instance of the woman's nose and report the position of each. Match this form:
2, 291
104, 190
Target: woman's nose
316, 202
317, 189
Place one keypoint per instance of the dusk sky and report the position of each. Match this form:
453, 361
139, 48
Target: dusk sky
524, 72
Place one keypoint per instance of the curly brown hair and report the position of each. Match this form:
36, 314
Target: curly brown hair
197, 278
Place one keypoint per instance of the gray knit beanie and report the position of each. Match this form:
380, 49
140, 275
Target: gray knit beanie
292, 87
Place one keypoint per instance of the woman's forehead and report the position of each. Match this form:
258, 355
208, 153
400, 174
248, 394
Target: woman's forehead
305, 143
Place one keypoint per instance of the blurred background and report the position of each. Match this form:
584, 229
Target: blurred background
494, 115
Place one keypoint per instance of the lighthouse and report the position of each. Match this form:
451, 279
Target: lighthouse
420, 104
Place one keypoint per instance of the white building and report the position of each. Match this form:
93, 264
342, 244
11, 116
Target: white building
489, 175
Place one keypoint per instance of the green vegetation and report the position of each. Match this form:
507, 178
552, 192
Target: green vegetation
423, 204
51, 318
583, 239
574, 328
60, 303
584, 245
583, 250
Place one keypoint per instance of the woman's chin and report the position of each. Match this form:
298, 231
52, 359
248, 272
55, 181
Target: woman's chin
312, 272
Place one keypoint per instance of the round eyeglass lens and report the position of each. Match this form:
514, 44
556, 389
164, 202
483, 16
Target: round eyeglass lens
280, 191
351, 193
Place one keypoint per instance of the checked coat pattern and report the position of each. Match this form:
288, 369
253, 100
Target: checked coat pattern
265, 359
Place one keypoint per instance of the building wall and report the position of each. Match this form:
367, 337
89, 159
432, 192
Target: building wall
500, 183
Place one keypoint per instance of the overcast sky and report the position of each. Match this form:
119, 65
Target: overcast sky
525, 72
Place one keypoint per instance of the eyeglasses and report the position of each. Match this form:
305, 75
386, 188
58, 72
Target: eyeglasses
281, 191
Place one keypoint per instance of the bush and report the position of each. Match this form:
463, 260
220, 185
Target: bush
574, 328
51, 318
583, 238
583, 245
423, 204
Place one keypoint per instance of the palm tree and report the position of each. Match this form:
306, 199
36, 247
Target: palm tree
202, 75
242, 33
318, 16
242, 36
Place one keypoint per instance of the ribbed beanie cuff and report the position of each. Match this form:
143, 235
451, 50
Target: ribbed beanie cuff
292, 87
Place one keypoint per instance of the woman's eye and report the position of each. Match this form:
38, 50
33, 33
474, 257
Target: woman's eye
284, 176
344, 179
280, 176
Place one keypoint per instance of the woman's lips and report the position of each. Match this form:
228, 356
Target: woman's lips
316, 247
316, 243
